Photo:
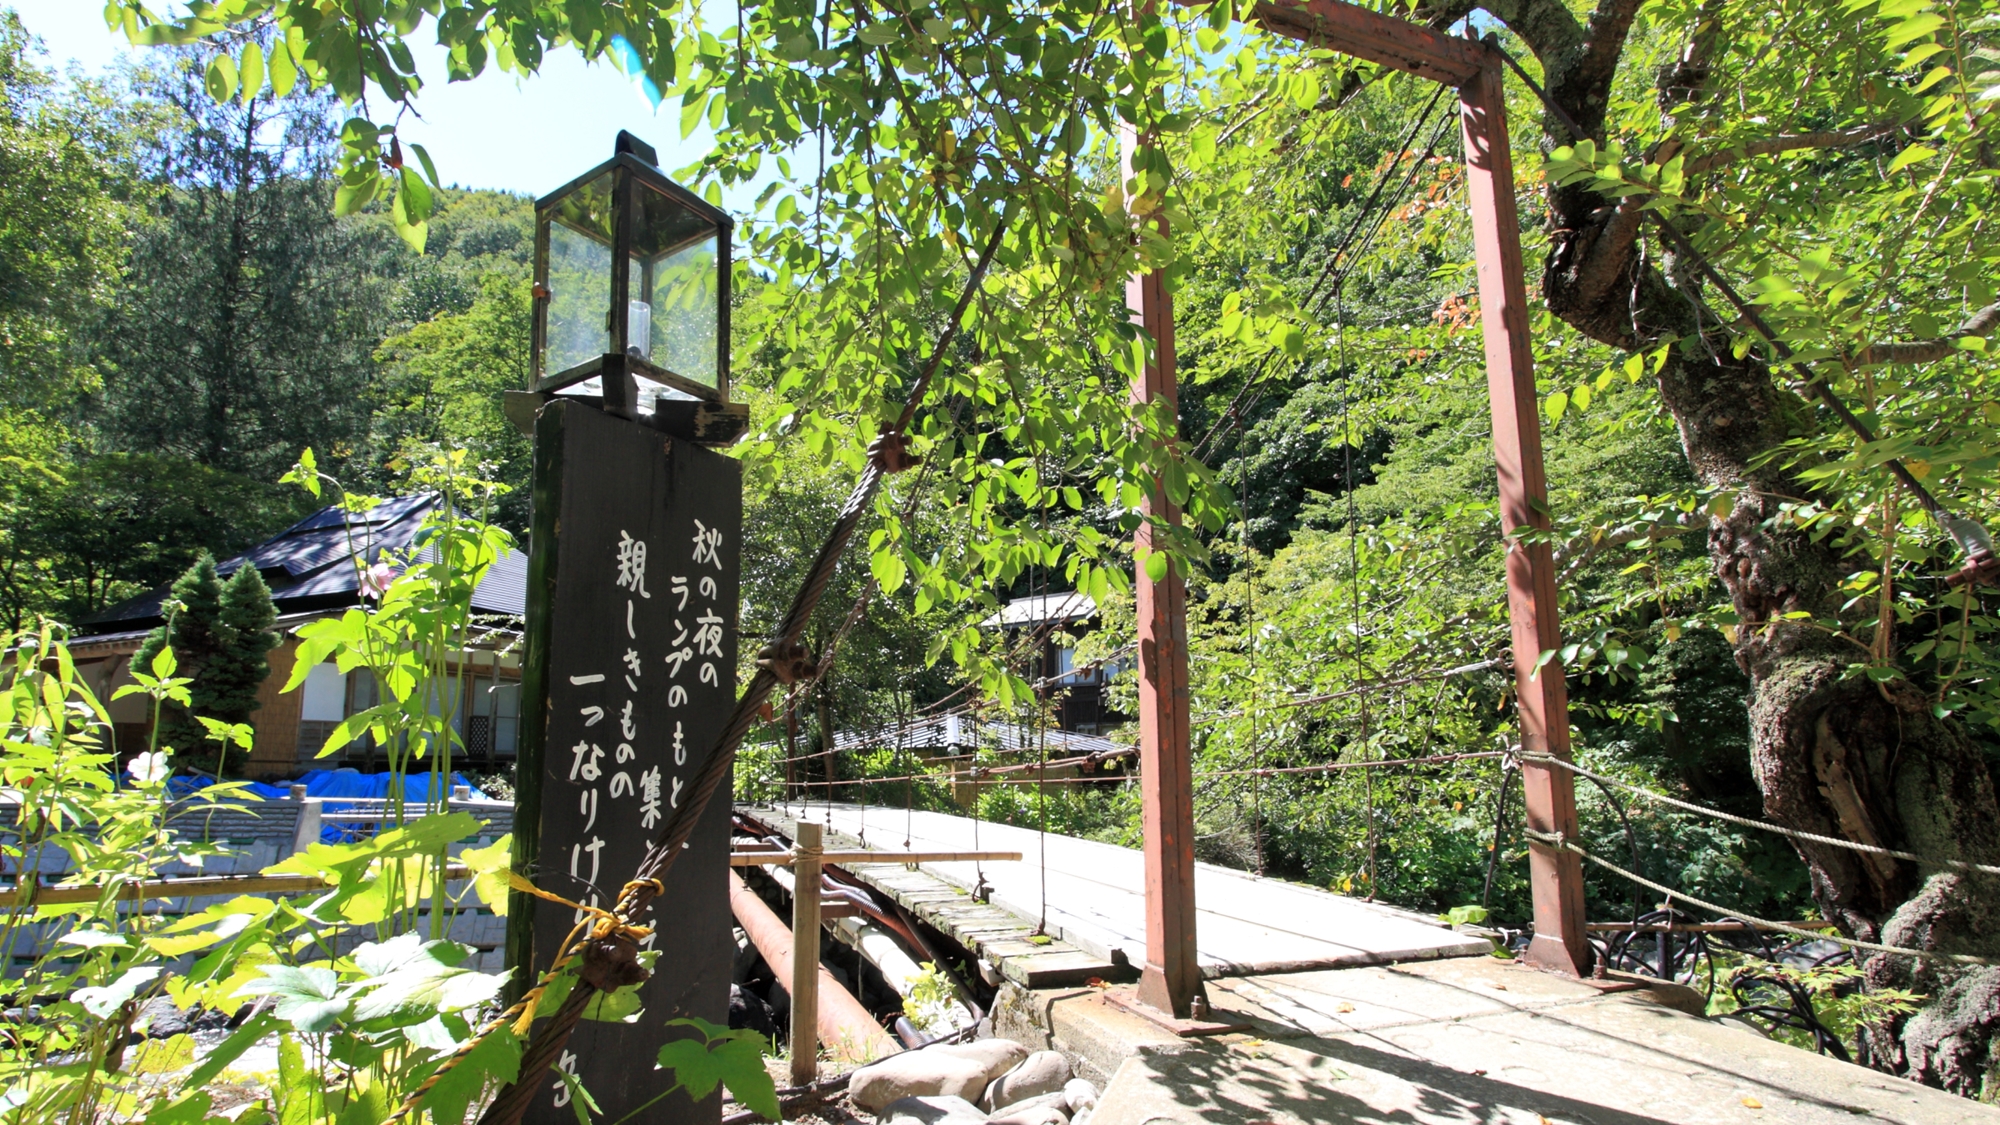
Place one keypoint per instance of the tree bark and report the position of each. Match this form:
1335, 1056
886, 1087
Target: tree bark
1833, 754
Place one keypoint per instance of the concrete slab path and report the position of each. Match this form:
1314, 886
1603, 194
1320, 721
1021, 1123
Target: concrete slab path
1095, 898
1477, 1040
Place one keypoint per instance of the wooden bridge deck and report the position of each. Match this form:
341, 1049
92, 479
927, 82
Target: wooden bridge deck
1095, 897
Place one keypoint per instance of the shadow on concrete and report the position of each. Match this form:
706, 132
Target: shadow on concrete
1221, 1087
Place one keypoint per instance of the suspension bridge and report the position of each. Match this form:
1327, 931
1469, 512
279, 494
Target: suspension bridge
1331, 1009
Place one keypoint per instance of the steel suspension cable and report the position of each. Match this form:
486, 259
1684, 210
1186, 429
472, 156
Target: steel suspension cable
1558, 840
1231, 415
1748, 822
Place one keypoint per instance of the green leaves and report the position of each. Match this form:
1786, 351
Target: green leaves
229, 1050
1464, 916
491, 866
250, 72
734, 1059
411, 208
309, 998
1911, 155
221, 78
284, 72
407, 980
102, 1000
403, 984
889, 569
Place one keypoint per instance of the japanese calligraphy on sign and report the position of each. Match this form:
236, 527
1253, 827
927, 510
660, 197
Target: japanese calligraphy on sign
629, 678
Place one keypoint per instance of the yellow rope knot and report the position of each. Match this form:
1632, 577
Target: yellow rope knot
608, 943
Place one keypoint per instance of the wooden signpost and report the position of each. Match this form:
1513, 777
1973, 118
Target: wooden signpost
628, 678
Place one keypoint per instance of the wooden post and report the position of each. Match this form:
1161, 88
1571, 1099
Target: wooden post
306, 831
791, 746
805, 953
493, 715
824, 702
1555, 876
1170, 979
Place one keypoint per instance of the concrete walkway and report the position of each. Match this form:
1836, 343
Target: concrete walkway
1095, 896
1465, 1041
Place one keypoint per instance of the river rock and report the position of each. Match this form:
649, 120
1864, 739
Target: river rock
931, 1110
161, 1019
1044, 1072
1079, 1095
951, 1070
999, 1055
1047, 1109
747, 1010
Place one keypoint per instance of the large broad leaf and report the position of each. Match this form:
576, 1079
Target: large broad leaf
308, 997
420, 992
412, 981
622, 1006
380, 958
490, 867
102, 1000
733, 1058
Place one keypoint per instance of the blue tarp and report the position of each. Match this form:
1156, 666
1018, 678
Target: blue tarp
334, 784
354, 783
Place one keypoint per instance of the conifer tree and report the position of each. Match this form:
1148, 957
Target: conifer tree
193, 610
245, 629
220, 632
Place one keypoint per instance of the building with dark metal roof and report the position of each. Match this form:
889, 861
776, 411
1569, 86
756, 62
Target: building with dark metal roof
316, 564
315, 569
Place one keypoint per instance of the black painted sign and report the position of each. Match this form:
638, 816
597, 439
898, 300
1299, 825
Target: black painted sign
629, 678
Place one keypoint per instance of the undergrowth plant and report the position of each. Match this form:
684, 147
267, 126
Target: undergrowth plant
354, 985
1836, 996
80, 973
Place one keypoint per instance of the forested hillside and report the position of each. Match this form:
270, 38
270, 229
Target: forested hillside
184, 314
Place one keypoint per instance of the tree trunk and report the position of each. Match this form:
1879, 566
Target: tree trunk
1834, 754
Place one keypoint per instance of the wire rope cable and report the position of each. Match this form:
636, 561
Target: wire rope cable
1747, 822
1558, 840
1234, 414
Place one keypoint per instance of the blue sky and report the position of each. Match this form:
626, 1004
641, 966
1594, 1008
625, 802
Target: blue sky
493, 132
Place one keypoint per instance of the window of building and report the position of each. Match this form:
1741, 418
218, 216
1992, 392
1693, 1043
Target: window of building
493, 724
322, 704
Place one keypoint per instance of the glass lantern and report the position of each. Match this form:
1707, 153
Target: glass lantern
655, 328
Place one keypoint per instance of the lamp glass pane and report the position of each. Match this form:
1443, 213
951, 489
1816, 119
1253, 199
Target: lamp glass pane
674, 250
579, 280
683, 312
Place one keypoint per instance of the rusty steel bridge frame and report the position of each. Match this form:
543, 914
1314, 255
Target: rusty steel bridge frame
1170, 981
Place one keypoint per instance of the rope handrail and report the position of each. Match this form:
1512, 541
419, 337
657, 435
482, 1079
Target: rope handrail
987, 776
1328, 767
947, 779
1748, 822
1198, 720
1559, 841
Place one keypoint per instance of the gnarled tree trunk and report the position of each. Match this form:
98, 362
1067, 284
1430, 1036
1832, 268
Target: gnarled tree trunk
1837, 755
